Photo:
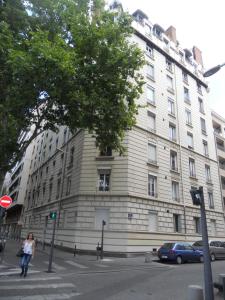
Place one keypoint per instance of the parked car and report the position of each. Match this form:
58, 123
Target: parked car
179, 253
216, 249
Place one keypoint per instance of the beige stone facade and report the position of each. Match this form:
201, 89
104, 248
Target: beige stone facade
144, 196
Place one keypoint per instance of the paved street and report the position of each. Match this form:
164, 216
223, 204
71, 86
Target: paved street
83, 277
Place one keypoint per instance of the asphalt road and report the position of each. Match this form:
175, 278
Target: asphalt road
85, 278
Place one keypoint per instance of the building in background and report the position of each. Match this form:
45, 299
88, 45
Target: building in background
143, 196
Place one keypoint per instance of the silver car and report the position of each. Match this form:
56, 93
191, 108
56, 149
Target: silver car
216, 248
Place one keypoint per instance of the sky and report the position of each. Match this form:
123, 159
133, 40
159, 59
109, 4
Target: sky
198, 23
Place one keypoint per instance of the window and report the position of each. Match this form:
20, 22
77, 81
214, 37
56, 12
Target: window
151, 121
185, 77
53, 163
58, 187
64, 136
152, 153
71, 156
50, 191
46, 170
150, 95
68, 185
205, 148
173, 160
213, 227
175, 191
152, 221
192, 172
169, 65
150, 71
101, 214
190, 140
203, 126
176, 223
210, 199
186, 95
172, 132
171, 107
170, 84
197, 225
56, 143
43, 190
201, 105
199, 88
104, 180
152, 185
106, 152
149, 51
207, 173
188, 117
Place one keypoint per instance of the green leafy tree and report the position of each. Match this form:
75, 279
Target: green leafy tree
67, 62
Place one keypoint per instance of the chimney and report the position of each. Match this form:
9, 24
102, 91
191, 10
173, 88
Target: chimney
171, 33
197, 55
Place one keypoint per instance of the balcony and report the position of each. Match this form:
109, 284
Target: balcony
222, 171
221, 151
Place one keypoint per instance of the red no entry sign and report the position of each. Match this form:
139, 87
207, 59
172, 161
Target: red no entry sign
5, 201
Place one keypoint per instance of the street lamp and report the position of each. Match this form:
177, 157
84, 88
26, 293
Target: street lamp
213, 70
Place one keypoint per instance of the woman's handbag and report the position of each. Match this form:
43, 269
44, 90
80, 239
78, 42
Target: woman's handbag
20, 253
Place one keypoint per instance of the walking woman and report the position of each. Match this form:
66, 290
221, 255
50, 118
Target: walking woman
28, 252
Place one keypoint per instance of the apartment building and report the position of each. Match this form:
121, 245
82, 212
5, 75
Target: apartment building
143, 196
219, 133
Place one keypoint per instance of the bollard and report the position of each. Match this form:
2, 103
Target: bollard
147, 257
195, 292
75, 250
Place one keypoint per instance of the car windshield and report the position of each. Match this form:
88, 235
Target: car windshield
168, 245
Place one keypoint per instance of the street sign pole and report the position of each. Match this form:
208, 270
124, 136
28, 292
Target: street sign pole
53, 216
209, 295
102, 241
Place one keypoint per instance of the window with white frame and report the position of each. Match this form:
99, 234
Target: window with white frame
203, 125
150, 71
104, 180
190, 140
151, 121
185, 77
201, 105
171, 106
197, 225
149, 51
172, 132
210, 199
150, 95
169, 65
153, 221
186, 95
192, 172
175, 191
205, 148
173, 160
188, 117
152, 156
169, 83
176, 223
199, 88
213, 227
207, 173
152, 185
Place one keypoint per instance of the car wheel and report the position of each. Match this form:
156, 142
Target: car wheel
201, 259
179, 260
213, 257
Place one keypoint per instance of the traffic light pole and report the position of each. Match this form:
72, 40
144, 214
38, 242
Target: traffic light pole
209, 295
52, 246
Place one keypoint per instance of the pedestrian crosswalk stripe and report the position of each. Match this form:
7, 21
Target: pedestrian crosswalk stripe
101, 266
16, 271
30, 279
38, 286
73, 263
56, 266
43, 297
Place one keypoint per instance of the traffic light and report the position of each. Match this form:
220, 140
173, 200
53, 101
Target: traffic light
196, 196
53, 215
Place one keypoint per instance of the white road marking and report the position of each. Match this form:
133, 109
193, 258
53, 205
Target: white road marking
30, 279
16, 272
55, 266
101, 266
73, 263
38, 286
42, 297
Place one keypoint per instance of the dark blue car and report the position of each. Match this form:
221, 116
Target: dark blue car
179, 253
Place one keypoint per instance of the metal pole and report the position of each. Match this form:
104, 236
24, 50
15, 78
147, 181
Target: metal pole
52, 248
102, 241
209, 295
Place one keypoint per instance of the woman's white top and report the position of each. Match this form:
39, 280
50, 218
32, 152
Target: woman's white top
27, 248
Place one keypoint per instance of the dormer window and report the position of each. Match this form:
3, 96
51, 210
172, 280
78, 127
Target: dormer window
158, 31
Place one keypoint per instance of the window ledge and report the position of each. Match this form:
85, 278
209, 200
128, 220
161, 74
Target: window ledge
153, 164
150, 77
170, 90
175, 171
193, 178
202, 112
150, 56
204, 132
169, 70
189, 125
185, 81
100, 158
172, 115
209, 182
151, 103
187, 101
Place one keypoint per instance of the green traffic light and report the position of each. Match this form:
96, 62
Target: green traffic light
53, 215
